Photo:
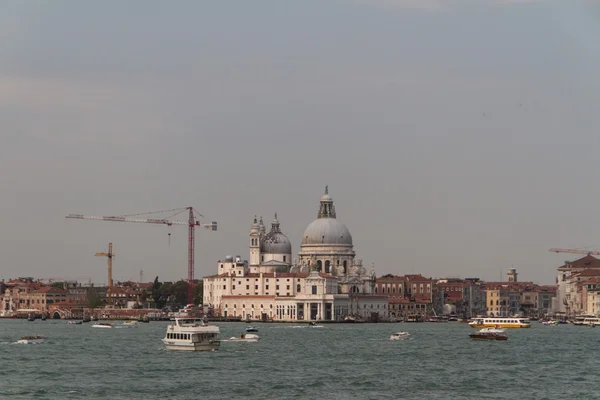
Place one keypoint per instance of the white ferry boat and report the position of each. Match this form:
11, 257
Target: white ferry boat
500, 322
191, 334
591, 321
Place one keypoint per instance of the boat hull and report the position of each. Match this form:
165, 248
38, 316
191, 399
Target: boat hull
206, 346
31, 341
479, 336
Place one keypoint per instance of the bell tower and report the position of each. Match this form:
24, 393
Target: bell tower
255, 243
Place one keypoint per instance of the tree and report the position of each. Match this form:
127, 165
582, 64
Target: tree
93, 300
198, 292
156, 293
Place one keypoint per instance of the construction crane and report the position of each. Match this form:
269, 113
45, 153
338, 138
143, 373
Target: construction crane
110, 255
192, 223
575, 251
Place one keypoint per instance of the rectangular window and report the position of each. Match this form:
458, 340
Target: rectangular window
277, 287
267, 287
288, 287
247, 287
255, 287
314, 289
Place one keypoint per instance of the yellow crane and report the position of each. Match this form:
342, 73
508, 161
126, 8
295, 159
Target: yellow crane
110, 255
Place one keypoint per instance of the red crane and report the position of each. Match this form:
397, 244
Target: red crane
192, 223
576, 251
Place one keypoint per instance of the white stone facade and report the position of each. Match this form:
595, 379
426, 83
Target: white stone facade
327, 284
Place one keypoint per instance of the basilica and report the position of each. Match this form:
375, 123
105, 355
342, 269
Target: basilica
326, 282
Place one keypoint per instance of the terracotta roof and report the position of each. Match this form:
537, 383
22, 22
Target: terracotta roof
50, 290
586, 272
248, 297
584, 262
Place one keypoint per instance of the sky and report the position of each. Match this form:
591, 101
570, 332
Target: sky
459, 138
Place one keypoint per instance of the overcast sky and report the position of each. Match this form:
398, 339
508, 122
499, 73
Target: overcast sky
457, 137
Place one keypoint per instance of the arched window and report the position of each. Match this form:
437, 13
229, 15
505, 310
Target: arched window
345, 266
298, 288
319, 265
327, 266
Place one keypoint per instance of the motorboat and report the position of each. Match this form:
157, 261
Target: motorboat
191, 334
550, 323
245, 337
251, 329
102, 325
73, 322
490, 334
130, 324
32, 339
399, 336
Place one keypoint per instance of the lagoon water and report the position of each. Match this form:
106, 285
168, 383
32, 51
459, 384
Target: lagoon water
338, 361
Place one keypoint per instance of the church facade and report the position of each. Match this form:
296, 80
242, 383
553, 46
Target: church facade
325, 283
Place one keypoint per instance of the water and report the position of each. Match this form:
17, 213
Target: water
345, 361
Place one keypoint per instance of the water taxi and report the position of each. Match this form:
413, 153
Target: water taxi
489, 334
191, 334
500, 322
399, 336
102, 325
32, 339
245, 337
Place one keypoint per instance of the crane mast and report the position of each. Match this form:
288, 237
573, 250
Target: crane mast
192, 223
110, 255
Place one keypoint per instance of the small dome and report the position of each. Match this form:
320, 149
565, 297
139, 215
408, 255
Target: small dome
326, 231
327, 198
276, 243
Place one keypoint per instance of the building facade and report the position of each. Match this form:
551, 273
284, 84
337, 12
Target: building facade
326, 282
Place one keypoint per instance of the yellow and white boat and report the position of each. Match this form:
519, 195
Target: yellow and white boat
500, 322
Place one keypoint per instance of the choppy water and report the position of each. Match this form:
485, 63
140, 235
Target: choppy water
342, 361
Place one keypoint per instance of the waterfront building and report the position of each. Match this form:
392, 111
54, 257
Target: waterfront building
566, 298
326, 283
408, 295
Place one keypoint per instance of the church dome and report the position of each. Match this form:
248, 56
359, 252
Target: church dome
275, 242
326, 229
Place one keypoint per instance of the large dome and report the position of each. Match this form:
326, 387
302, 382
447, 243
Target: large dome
326, 231
275, 242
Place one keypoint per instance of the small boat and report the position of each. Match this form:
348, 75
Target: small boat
31, 317
73, 322
399, 336
550, 323
191, 334
489, 334
245, 338
313, 324
130, 324
32, 339
251, 329
102, 325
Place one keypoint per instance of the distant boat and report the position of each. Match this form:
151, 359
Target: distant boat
102, 325
31, 317
73, 322
399, 336
251, 329
245, 338
489, 334
32, 339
